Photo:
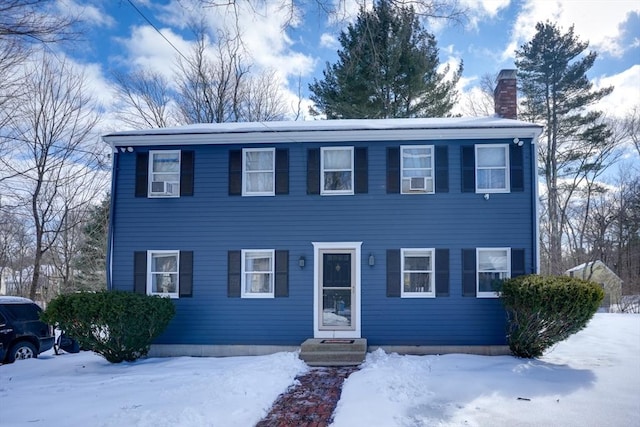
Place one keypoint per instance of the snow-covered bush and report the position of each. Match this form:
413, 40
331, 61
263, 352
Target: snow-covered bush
119, 326
544, 310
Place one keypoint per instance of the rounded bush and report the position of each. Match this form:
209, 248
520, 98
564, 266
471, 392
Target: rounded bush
118, 325
544, 310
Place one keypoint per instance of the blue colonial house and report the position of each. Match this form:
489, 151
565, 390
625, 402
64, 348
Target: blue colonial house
267, 234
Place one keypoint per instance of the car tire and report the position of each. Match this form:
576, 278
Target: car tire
22, 350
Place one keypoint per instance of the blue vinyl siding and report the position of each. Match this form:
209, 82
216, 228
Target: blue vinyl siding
210, 223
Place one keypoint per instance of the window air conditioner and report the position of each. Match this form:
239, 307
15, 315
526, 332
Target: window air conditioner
163, 187
417, 183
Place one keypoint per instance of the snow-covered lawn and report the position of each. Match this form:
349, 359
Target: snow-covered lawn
592, 379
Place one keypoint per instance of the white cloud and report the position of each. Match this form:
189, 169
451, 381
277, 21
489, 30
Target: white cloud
90, 14
329, 41
598, 22
478, 10
625, 95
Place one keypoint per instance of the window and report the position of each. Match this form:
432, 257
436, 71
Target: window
257, 273
337, 170
492, 172
417, 169
258, 166
418, 278
164, 173
493, 266
162, 277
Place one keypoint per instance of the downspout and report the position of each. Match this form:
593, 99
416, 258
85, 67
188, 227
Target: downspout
535, 202
112, 216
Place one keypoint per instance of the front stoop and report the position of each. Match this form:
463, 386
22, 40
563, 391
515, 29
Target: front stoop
333, 352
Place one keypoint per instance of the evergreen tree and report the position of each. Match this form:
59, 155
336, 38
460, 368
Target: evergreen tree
90, 263
387, 68
552, 76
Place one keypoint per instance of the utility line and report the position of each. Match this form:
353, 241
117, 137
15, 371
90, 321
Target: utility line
156, 28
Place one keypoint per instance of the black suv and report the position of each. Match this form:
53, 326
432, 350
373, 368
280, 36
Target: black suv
22, 334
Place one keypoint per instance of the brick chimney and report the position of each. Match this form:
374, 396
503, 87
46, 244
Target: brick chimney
505, 95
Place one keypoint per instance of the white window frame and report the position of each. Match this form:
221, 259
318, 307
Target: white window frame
151, 174
485, 294
322, 171
245, 172
150, 255
427, 179
507, 180
408, 251
267, 252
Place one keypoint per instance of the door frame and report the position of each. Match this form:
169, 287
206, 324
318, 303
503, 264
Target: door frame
356, 264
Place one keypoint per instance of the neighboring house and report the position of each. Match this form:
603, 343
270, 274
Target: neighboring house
597, 271
266, 234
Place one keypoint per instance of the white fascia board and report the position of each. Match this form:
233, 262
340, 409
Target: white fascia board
320, 135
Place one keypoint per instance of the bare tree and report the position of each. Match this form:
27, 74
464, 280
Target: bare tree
35, 21
261, 99
51, 160
146, 99
631, 125
481, 101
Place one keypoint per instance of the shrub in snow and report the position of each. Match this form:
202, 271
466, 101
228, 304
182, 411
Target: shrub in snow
544, 310
118, 325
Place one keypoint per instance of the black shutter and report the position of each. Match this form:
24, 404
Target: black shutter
442, 272
235, 172
142, 174
442, 169
393, 272
516, 168
234, 265
393, 170
468, 169
361, 170
282, 171
186, 173
313, 171
517, 263
186, 274
282, 274
468, 272
140, 272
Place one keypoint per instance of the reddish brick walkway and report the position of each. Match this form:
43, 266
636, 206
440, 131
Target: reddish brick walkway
311, 402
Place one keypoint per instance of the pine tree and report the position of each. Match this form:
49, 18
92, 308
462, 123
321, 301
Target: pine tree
552, 76
387, 67
91, 261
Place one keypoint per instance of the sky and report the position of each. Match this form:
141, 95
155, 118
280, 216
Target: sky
591, 379
129, 35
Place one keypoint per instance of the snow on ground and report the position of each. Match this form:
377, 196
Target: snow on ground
591, 379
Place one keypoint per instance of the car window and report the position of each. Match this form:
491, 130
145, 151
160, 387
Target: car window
23, 311
2, 319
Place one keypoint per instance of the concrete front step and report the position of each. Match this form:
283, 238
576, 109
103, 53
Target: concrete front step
333, 352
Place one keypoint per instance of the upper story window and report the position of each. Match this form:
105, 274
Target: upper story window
258, 166
492, 168
164, 173
163, 274
336, 170
258, 273
417, 169
493, 266
418, 274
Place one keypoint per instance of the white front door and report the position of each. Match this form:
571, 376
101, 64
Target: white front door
336, 289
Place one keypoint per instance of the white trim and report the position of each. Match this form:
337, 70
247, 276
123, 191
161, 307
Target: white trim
432, 254
150, 175
536, 203
322, 170
243, 292
150, 254
244, 173
339, 131
490, 294
507, 172
433, 178
356, 301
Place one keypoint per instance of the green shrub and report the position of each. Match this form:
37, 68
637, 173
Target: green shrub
118, 325
544, 310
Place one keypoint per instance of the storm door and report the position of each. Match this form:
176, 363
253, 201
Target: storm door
337, 293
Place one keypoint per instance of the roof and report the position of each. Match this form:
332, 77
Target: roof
14, 300
329, 130
597, 264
